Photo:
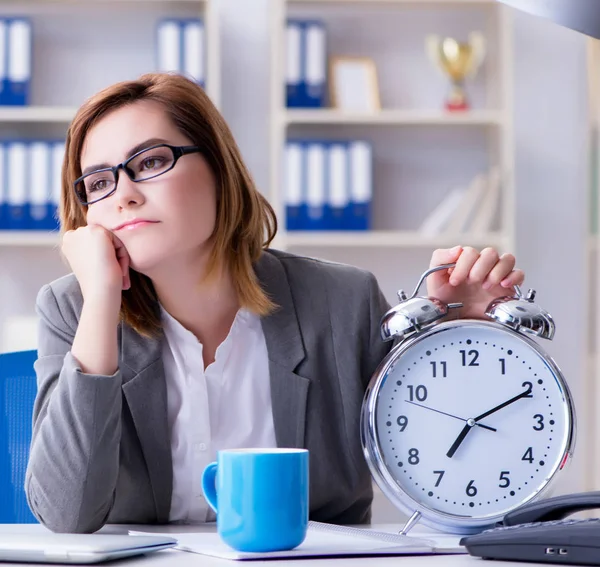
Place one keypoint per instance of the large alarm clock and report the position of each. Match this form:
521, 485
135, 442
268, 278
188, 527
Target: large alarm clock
467, 419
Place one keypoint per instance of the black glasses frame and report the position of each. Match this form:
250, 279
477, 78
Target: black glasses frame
178, 151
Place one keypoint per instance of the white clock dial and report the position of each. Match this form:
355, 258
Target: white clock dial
472, 420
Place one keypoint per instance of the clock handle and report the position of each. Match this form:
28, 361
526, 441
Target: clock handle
431, 271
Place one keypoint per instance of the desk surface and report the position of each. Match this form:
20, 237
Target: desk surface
174, 558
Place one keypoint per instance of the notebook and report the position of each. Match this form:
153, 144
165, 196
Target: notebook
324, 540
77, 548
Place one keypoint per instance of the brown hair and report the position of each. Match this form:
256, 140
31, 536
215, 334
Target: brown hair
245, 223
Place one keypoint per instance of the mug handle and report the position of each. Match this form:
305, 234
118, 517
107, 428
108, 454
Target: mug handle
209, 485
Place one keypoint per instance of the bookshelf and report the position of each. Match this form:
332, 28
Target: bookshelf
107, 41
592, 374
420, 152
393, 118
387, 239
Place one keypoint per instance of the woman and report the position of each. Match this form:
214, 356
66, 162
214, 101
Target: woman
180, 332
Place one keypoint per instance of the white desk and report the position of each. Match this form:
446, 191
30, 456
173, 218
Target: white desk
174, 558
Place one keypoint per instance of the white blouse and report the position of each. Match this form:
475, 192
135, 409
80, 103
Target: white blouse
226, 406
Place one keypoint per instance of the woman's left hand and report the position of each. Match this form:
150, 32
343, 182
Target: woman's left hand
476, 280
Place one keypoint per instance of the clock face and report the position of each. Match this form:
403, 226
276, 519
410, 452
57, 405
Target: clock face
471, 420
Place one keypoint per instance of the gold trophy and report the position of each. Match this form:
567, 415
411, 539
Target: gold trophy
458, 60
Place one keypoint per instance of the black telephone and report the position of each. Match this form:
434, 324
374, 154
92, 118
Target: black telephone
541, 531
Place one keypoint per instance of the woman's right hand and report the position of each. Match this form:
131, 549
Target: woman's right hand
99, 261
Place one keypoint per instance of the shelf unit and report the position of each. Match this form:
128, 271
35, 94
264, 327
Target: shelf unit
592, 374
393, 117
66, 69
420, 151
387, 239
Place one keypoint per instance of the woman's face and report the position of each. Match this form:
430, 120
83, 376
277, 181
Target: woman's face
171, 216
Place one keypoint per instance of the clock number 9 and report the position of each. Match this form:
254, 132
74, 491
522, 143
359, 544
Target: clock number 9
402, 421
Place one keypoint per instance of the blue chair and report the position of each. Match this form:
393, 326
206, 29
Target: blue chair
17, 393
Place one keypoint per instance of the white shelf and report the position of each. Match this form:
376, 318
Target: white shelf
395, 117
55, 114
28, 238
389, 239
400, 2
93, 2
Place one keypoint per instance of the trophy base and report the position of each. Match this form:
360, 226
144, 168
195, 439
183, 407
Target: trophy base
453, 106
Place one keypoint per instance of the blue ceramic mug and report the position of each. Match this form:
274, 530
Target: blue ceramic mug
260, 497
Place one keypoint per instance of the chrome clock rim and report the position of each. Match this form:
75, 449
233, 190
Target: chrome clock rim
401, 499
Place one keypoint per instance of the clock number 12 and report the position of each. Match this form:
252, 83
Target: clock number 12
474, 356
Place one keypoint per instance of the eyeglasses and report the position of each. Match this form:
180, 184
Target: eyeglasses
142, 166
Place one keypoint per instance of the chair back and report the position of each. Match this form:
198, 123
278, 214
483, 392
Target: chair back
18, 389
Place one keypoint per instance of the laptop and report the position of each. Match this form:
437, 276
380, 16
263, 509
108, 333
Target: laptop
77, 548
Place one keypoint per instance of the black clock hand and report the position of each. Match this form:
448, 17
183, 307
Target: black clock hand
449, 415
503, 405
460, 438
472, 422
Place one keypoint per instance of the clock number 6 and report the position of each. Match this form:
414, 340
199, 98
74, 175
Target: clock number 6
471, 490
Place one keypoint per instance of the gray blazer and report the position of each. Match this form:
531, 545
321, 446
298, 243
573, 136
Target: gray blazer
100, 451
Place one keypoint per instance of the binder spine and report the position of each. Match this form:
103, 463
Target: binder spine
337, 186
316, 175
168, 46
39, 186
193, 51
17, 185
3, 189
19, 62
293, 71
58, 155
361, 185
315, 65
293, 186
4, 83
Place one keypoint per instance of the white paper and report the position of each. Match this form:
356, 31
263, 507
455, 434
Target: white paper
319, 542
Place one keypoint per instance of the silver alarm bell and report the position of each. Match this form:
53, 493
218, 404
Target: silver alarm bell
521, 314
414, 313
